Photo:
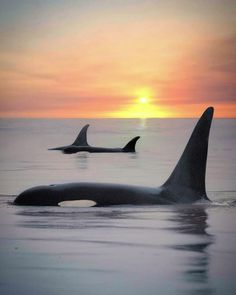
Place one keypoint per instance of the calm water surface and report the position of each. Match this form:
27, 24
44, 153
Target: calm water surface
116, 250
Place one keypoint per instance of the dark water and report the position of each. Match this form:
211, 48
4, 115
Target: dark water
116, 250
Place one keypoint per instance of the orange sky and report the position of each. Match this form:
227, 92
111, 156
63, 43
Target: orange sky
99, 58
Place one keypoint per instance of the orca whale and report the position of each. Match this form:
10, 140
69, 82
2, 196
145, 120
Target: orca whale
186, 184
81, 145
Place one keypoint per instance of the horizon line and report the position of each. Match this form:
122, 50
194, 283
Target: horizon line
107, 118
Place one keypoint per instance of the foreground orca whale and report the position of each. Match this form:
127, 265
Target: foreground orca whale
186, 184
81, 145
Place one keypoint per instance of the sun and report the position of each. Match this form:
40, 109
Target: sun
143, 106
143, 100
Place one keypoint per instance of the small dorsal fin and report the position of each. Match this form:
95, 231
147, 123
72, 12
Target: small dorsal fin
191, 169
81, 139
130, 146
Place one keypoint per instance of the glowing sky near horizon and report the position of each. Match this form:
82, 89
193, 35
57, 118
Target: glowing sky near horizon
99, 58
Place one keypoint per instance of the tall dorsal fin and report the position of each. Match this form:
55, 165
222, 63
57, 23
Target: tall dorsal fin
81, 139
190, 171
130, 146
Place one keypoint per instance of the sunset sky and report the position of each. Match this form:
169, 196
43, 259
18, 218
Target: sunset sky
117, 58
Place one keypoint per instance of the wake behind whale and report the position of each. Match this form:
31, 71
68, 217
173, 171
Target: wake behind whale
186, 184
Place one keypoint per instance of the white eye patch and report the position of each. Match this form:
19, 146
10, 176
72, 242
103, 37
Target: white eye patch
77, 203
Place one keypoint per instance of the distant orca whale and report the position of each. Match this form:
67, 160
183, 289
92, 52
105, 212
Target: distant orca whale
186, 184
81, 145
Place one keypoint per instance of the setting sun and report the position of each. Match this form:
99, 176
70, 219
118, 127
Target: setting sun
143, 100
143, 107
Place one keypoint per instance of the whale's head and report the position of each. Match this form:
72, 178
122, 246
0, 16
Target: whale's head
39, 195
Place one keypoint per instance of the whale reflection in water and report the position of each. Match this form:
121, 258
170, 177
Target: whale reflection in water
191, 220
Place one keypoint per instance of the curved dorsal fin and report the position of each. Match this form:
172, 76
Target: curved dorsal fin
81, 139
190, 171
130, 146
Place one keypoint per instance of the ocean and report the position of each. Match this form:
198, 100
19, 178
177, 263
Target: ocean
181, 249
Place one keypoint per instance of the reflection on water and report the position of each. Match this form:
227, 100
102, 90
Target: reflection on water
192, 220
81, 160
143, 123
136, 249
68, 218
133, 156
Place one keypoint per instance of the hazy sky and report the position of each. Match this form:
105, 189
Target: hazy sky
100, 58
